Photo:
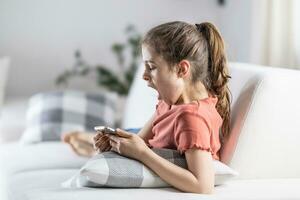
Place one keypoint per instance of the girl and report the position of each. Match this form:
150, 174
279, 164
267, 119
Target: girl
186, 65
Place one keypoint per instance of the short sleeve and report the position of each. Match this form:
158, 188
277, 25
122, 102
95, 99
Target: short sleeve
192, 130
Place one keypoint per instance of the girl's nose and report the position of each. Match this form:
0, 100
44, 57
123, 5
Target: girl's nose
146, 77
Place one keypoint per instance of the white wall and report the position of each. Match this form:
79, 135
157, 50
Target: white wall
41, 36
235, 21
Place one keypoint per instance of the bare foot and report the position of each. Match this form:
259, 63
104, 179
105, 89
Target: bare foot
80, 142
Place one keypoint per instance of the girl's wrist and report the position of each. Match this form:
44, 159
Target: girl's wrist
145, 154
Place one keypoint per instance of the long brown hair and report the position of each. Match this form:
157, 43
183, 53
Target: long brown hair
203, 46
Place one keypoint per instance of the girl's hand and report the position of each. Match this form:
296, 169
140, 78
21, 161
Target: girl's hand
128, 144
101, 142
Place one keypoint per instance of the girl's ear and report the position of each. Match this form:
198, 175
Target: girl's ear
183, 68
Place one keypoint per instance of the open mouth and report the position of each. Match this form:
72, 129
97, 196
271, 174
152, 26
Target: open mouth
149, 84
152, 86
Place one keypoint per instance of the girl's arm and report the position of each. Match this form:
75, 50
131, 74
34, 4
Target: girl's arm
199, 178
146, 132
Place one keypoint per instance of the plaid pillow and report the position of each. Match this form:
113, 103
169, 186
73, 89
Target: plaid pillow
110, 169
52, 113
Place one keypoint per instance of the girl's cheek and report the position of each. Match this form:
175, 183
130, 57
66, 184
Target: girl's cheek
152, 74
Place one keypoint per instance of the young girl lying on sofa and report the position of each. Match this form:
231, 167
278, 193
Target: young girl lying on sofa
186, 65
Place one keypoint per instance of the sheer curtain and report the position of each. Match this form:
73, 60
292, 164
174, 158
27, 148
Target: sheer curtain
276, 33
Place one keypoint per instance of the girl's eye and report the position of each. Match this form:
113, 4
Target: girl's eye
152, 68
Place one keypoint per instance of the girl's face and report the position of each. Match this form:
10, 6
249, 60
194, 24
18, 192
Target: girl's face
159, 76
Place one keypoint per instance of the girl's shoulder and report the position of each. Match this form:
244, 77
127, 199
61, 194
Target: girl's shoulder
208, 103
205, 107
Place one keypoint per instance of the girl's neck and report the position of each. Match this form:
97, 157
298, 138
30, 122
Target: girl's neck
193, 93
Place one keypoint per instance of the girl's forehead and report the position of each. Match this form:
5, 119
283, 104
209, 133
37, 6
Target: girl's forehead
149, 55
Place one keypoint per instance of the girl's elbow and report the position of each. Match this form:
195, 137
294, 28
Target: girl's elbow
207, 191
201, 191
204, 190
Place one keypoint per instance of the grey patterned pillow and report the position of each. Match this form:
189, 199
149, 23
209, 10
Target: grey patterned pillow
110, 169
52, 113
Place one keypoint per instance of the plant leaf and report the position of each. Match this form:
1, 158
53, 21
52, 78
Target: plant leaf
109, 80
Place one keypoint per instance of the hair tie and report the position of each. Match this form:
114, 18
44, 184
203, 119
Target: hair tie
199, 27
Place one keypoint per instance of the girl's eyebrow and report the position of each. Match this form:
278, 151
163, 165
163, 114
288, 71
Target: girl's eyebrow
149, 61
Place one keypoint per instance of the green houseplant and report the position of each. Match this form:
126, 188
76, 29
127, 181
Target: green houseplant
105, 77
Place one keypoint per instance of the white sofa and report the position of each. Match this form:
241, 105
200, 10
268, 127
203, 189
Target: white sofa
263, 147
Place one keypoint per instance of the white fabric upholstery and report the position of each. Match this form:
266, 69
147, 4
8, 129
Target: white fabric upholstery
39, 188
15, 158
267, 115
243, 84
12, 119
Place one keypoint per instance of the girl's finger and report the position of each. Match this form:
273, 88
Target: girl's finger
108, 147
102, 144
105, 147
113, 143
113, 149
97, 136
101, 141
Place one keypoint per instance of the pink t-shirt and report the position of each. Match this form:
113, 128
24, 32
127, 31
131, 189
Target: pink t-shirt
185, 126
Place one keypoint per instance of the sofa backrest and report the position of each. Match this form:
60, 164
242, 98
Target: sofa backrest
264, 135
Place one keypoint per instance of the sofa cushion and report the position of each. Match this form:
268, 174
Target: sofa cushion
15, 158
52, 113
113, 170
49, 189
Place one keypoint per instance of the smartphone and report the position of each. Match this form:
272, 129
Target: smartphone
105, 130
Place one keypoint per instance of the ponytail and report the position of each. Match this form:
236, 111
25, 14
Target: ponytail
218, 75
